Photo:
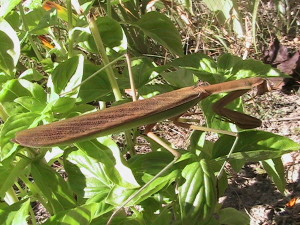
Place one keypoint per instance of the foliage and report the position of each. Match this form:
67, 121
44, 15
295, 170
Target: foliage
50, 69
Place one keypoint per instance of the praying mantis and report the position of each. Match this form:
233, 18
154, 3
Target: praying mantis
147, 112
143, 112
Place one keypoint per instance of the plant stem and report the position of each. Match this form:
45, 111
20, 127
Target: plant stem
130, 145
33, 45
254, 17
228, 156
131, 79
108, 8
102, 52
70, 27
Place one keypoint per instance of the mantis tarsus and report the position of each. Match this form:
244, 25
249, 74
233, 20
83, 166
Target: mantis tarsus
144, 112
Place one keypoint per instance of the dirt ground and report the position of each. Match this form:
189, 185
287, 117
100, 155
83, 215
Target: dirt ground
251, 190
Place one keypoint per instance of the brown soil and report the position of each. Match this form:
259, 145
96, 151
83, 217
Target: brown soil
251, 190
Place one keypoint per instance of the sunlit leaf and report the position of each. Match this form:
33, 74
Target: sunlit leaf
86, 175
68, 74
108, 154
275, 169
16, 213
161, 29
145, 166
254, 145
10, 48
7, 6
13, 124
233, 217
52, 186
197, 195
79, 215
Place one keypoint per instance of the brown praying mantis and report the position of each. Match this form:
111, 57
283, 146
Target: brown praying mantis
147, 112
143, 112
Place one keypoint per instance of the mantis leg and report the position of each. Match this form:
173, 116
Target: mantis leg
195, 127
240, 119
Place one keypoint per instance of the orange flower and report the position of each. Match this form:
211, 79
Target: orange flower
45, 41
48, 5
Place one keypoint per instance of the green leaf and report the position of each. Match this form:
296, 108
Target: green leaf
161, 29
254, 145
179, 78
145, 167
4, 77
197, 61
142, 68
227, 11
39, 20
31, 75
16, 213
86, 175
233, 217
14, 89
118, 220
11, 126
13, 18
254, 68
108, 154
83, 214
235, 68
111, 33
197, 196
63, 105
10, 48
68, 74
200, 146
226, 62
149, 91
7, 6
30, 103
96, 87
275, 169
201, 65
10, 172
52, 186
152, 206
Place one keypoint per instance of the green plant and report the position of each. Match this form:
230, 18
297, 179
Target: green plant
41, 85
